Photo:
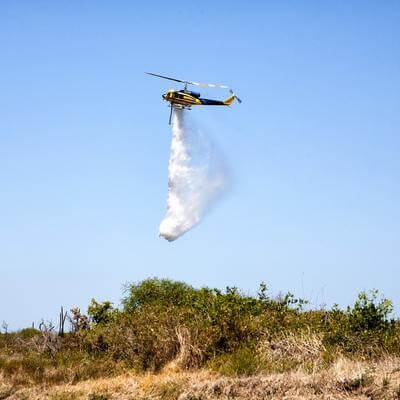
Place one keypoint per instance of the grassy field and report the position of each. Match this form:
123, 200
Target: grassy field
171, 341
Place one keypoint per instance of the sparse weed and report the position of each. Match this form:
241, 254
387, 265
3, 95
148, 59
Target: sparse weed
6, 392
385, 382
169, 390
95, 396
351, 385
67, 396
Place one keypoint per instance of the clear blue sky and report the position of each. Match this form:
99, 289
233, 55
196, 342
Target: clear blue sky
84, 146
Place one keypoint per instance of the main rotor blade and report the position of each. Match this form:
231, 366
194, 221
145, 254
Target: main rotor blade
209, 85
212, 85
167, 77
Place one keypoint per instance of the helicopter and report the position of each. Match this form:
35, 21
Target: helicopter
185, 99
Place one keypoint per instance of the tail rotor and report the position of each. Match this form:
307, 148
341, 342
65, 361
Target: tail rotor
237, 98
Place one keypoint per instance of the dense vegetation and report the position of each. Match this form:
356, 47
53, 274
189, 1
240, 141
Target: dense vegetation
164, 323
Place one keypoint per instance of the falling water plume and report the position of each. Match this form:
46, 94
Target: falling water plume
196, 177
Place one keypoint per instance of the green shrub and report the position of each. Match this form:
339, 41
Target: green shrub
163, 320
363, 329
158, 292
27, 333
369, 314
101, 313
243, 361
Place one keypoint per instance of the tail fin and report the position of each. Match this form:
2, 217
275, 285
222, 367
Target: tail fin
229, 100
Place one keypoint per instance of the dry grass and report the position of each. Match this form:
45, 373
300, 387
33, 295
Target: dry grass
292, 350
301, 347
344, 379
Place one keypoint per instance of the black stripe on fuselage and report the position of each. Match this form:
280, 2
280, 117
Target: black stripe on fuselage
209, 102
182, 102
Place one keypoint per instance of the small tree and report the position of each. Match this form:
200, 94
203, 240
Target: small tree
101, 313
78, 320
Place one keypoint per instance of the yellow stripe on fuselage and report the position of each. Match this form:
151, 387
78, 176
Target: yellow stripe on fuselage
182, 98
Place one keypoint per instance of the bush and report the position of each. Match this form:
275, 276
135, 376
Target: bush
28, 333
369, 314
163, 320
243, 361
101, 313
365, 328
158, 292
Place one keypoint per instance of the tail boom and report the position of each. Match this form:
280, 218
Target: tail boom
209, 102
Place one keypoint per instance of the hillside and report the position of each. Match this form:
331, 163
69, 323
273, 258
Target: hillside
169, 340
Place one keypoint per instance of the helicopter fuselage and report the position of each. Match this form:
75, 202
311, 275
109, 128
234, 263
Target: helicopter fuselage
186, 98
